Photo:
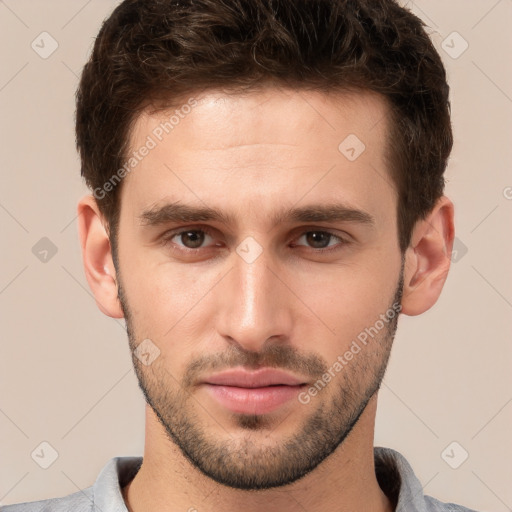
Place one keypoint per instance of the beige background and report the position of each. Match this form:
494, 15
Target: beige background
65, 371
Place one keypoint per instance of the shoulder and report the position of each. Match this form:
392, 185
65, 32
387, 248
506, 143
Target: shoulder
398, 480
80, 501
433, 505
104, 495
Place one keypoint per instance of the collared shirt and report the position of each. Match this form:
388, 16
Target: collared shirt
394, 474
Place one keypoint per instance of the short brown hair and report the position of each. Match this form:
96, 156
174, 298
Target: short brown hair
153, 51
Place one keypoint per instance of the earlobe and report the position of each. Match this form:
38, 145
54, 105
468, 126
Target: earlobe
427, 259
97, 257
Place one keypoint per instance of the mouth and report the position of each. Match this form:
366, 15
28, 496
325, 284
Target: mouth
260, 400
259, 392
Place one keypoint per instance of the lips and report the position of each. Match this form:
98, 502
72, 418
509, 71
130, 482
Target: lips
261, 378
259, 392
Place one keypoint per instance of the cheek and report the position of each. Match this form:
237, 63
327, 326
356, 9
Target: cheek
345, 301
165, 299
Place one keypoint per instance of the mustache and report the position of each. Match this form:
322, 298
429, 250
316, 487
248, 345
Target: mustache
279, 356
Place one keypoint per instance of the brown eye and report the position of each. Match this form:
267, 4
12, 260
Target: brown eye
192, 239
321, 240
318, 239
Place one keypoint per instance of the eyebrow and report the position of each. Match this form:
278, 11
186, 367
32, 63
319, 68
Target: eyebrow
177, 212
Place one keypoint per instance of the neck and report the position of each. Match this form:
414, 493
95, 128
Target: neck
345, 481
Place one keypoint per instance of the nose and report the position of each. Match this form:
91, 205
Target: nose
254, 303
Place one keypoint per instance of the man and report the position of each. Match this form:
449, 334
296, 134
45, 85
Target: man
267, 183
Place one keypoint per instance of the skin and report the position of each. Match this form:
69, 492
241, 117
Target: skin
294, 307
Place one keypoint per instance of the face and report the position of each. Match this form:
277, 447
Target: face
293, 264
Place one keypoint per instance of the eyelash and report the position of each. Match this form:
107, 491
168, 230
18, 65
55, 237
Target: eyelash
169, 235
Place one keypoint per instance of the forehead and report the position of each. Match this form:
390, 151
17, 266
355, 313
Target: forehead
247, 117
263, 146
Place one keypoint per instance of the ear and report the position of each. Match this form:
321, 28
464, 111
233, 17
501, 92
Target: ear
427, 259
97, 257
